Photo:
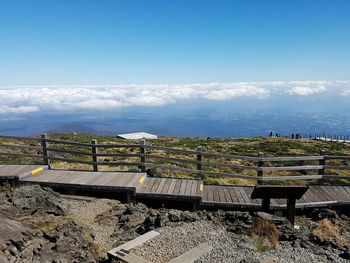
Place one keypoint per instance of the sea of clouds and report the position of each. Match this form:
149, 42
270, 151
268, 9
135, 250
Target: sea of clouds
69, 98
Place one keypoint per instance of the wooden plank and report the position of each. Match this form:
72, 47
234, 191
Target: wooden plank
227, 195
120, 179
343, 196
221, 195
322, 195
239, 195
305, 197
166, 185
149, 186
230, 156
246, 198
135, 242
155, 185
159, 190
210, 193
195, 187
233, 194
140, 179
337, 157
48, 176
292, 177
183, 187
316, 204
347, 189
333, 193
292, 158
193, 254
314, 196
188, 187
344, 192
128, 257
172, 186
291, 168
216, 196
116, 180
337, 167
177, 187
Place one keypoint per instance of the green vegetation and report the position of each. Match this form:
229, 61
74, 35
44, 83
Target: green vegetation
261, 246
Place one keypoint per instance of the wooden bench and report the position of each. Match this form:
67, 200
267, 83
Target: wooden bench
290, 192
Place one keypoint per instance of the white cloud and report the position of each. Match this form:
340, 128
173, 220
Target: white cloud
346, 92
70, 98
306, 91
18, 109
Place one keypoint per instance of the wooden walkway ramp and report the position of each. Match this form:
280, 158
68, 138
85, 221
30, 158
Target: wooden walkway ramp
138, 186
220, 196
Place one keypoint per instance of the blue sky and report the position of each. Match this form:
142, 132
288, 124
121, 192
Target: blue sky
124, 42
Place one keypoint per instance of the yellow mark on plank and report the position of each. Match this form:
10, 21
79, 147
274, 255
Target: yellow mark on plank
37, 171
142, 180
201, 187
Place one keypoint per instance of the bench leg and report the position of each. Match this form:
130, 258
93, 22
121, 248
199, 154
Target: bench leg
291, 210
266, 205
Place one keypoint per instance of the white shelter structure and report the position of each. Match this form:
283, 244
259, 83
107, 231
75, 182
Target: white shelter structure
137, 136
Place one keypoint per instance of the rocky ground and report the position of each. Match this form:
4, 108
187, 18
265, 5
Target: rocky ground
39, 225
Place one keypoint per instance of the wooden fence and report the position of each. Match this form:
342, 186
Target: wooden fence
260, 164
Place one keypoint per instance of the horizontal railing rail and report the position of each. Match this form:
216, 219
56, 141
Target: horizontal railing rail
54, 150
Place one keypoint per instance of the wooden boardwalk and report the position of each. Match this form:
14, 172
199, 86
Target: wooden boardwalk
139, 186
220, 196
170, 188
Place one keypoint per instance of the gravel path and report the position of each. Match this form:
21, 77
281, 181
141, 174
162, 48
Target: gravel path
84, 213
227, 247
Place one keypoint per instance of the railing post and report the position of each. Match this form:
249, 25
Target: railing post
199, 159
94, 151
322, 162
45, 145
143, 156
260, 173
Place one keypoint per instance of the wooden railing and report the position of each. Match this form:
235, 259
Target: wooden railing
264, 167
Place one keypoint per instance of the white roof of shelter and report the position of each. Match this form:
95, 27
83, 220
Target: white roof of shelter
138, 135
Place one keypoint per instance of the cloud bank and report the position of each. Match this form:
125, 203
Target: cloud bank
29, 99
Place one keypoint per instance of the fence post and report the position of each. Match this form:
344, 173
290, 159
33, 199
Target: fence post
45, 145
94, 151
143, 156
260, 173
322, 162
199, 159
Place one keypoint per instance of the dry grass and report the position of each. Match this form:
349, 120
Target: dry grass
326, 230
263, 228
